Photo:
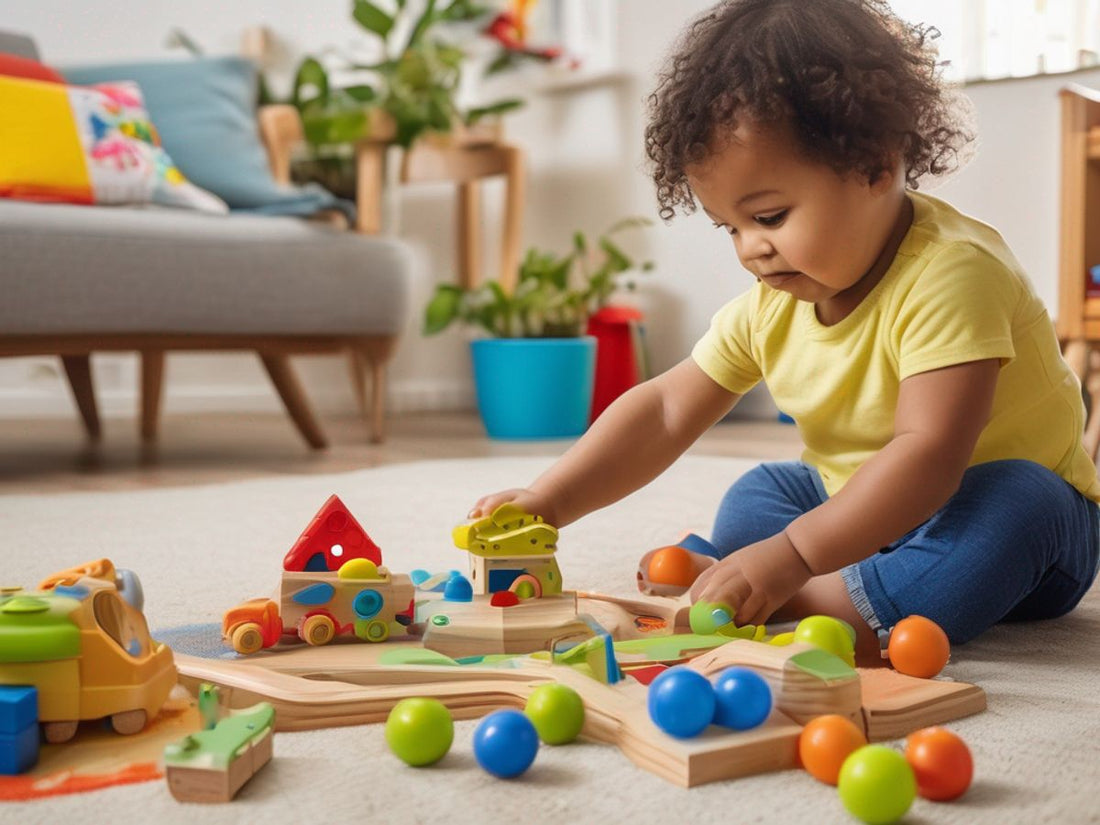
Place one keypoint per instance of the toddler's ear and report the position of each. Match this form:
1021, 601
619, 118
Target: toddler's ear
891, 177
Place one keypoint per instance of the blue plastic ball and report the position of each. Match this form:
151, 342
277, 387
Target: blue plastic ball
505, 743
743, 697
681, 702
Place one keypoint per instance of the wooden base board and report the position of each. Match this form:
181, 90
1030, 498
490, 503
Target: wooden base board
350, 684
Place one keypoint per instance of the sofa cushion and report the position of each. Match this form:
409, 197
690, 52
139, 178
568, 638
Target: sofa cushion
73, 269
87, 145
13, 65
205, 109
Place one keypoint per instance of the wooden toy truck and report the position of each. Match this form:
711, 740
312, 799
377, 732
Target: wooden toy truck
333, 584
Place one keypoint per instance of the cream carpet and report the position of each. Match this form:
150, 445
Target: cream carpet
201, 550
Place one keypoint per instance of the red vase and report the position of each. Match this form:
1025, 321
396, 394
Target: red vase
620, 354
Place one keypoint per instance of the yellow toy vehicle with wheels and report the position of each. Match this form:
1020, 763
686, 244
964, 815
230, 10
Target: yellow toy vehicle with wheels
81, 640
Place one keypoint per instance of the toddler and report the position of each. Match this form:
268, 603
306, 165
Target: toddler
943, 473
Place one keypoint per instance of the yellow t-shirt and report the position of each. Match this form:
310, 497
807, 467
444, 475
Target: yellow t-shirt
954, 293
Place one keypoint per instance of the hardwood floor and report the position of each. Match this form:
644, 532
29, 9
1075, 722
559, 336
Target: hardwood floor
53, 455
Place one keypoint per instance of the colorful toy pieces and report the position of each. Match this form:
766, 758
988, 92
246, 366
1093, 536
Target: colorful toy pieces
876, 783
918, 647
825, 743
83, 645
682, 702
506, 743
420, 731
333, 584
511, 550
671, 570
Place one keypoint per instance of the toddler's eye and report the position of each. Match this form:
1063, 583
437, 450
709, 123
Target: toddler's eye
729, 229
774, 219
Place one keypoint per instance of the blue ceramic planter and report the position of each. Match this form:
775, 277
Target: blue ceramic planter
534, 388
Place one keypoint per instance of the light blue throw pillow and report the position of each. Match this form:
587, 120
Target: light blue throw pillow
205, 111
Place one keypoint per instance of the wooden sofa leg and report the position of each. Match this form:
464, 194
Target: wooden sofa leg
294, 398
372, 354
78, 370
152, 382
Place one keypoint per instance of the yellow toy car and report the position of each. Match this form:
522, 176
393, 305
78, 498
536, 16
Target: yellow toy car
81, 640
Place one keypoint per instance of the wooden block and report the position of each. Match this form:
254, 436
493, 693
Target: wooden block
212, 765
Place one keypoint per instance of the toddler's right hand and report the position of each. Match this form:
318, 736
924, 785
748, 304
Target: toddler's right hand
530, 501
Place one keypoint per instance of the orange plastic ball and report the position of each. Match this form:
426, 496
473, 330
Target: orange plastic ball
941, 762
918, 647
672, 565
825, 743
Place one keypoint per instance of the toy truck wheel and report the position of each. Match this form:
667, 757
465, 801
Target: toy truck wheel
247, 638
128, 722
317, 630
57, 732
378, 631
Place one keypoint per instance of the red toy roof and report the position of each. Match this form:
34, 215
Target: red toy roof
332, 538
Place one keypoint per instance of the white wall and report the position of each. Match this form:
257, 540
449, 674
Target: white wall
585, 171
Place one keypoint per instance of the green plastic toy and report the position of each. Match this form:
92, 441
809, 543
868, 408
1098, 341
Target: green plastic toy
876, 785
557, 712
419, 731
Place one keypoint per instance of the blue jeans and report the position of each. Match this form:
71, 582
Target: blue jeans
1015, 543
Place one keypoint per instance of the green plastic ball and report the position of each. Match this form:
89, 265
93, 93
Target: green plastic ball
420, 731
704, 617
557, 712
833, 635
876, 785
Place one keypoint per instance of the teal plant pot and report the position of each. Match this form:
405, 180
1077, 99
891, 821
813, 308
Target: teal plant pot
534, 388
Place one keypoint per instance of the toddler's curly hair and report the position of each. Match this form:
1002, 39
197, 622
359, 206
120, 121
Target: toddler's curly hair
857, 84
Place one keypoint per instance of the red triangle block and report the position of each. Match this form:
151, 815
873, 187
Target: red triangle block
332, 538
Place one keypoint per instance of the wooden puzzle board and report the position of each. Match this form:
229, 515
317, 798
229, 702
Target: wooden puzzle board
349, 684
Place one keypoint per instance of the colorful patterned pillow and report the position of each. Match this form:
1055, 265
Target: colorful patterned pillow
87, 145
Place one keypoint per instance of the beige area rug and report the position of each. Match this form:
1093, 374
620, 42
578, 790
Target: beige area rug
201, 550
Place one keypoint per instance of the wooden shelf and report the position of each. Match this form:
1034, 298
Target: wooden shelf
1080, 213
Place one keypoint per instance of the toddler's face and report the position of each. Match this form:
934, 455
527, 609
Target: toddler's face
797, 225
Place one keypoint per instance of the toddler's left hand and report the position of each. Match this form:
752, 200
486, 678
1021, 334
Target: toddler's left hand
756, 580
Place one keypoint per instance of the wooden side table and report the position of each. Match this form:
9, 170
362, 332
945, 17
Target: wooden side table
1078, 323
465, 165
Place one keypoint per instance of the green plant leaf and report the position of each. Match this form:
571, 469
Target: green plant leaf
616, 257
422, 24
580, 243
362, 93
633, 222
558, 274
498, 108
442, 309
503, 62
372, 18
310, 74
462, 11
327, 126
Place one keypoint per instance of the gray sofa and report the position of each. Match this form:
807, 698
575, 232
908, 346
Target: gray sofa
81, 279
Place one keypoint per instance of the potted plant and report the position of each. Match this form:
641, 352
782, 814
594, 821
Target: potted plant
410, 91
533, 365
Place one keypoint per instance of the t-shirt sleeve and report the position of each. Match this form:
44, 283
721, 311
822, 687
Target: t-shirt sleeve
725, 351
960, 309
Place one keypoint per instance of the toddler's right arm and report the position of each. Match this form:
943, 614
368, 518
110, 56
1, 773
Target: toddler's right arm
629, 445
